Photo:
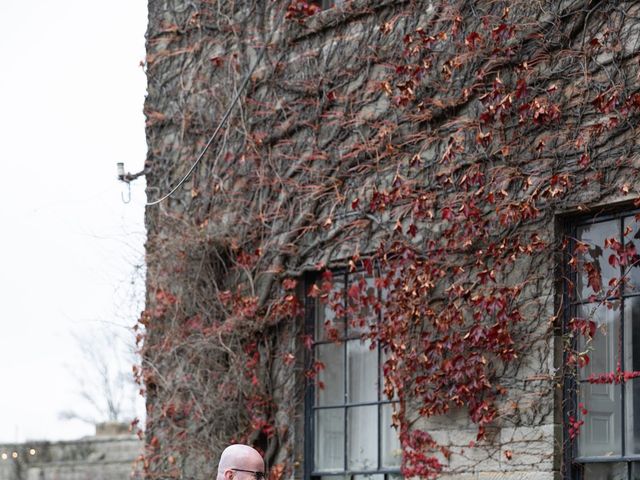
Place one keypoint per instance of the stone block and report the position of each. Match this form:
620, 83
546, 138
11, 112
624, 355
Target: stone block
458, 476
516, 475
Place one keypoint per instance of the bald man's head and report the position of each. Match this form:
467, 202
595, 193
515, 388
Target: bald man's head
241, 462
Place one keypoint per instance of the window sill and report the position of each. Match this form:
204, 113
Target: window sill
607, 459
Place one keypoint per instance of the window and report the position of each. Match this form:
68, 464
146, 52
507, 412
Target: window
607, 444
348, 428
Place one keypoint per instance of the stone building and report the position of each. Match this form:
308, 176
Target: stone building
110, 455
393, 237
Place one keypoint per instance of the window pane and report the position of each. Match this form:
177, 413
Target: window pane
605, 471
329, 441
362, 372
389, 440
632, 424
330, 321
377, 476
594, 236
604, 347
632, 333
633, 269
600, 435
362, 445
635, 471
632, 363
332, 377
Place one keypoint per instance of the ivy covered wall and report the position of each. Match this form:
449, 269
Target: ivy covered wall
441, 142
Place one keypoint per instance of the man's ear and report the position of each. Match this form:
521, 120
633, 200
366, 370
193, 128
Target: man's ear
228, 474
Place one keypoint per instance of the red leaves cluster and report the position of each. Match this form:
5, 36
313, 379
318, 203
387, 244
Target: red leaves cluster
289, 283
617, 377
164, 301
277, 471
514, 212
594, 276
449, 364
574, 426
471, 39
606, 102
417, 459
542, 111
579, 359
299, 10
624, 255
583, 326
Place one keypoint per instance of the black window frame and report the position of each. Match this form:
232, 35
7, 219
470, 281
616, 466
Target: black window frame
311, 305
574, 464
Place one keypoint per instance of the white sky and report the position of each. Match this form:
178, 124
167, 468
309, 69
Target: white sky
71, 99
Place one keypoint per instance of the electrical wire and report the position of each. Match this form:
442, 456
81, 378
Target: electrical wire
222, 122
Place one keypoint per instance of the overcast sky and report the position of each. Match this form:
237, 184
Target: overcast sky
71, 99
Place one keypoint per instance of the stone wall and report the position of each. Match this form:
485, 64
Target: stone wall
92, 458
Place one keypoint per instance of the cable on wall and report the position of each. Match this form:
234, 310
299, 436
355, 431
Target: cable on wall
222, 122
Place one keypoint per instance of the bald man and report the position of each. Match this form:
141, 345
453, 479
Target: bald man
240, 462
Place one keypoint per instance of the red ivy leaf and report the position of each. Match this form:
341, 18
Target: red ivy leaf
354, 291
289, 283
584, 161
594, 278
471, 40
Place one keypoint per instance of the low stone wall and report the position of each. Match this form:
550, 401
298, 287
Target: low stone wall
91, 458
